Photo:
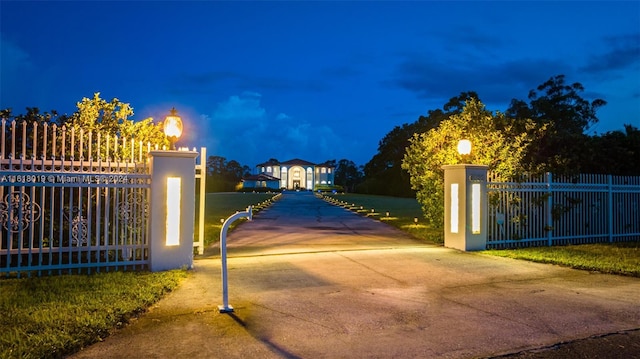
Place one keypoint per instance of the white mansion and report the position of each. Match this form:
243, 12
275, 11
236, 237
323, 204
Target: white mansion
293, 174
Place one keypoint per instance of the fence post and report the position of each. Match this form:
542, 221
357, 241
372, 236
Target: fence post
610, 207
549, 202
172, 209
465, 209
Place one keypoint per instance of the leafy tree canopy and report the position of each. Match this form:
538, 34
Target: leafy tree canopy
347, 174
567, 115
496, 143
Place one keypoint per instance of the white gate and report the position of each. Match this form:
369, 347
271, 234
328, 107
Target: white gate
75, 202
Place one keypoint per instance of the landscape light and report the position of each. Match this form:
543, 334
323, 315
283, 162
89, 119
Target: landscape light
173, 127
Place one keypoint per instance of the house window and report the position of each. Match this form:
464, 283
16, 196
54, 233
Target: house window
284, 170
329, 170
296, 174
309, 170
323, 170
269, 169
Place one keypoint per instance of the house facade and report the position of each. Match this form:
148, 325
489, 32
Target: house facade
294, 174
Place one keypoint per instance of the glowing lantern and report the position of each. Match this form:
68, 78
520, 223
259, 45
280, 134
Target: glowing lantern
173, 127
464, 147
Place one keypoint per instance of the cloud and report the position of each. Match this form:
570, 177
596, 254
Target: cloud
243, 108
622, 52
242, 129
282, 117
495, 82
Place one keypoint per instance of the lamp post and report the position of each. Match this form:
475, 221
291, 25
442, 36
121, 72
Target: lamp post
465, 196
173, 127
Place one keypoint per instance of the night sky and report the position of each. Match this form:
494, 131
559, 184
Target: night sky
313, 80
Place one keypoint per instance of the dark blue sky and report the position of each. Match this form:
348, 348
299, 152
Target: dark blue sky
313, 80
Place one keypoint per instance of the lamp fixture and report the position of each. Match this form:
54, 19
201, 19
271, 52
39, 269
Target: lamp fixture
464, 147
173, 127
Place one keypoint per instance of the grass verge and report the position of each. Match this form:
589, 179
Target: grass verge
622, 258
402, 213
220, 206
50, 317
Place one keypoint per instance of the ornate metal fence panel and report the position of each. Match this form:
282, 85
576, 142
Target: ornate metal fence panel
548, 210
71, 201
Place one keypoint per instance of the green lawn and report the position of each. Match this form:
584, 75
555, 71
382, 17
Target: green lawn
614, 258
49, 317
222, 205
403, 213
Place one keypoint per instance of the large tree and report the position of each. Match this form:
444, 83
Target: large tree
223, 175
495, 140
383, 173
347, 175
567, 115
615, 152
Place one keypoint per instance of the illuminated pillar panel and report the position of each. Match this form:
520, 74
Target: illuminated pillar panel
171, 209
465, 207
455, 208
172, 221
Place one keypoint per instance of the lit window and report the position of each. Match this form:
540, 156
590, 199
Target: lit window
329, 170
323, 170
269, 169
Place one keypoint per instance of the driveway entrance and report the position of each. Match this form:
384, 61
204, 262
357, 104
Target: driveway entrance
311, 280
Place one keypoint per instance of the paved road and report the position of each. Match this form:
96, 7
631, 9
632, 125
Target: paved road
311, 280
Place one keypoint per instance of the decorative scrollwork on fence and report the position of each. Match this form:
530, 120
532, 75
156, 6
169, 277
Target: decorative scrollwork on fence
17, 211
79, 226
135, 210
79, 230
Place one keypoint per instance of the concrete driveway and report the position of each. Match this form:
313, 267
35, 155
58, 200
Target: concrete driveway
312, 280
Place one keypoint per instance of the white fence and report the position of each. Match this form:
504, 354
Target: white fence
548, 210
74, 202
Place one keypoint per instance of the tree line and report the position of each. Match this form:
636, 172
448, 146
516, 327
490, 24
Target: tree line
556, 121
546, 133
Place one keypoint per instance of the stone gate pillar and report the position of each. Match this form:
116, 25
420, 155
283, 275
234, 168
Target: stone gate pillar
465, 204
171, 209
